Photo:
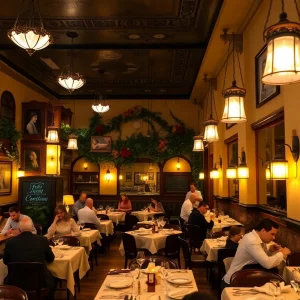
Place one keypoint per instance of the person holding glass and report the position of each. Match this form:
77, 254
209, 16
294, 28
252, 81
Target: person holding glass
62, 224
156, 206
124, 204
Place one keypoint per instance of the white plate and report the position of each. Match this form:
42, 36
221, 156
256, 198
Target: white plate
179, 293
119, 283
179, 279
86, 229
63, 247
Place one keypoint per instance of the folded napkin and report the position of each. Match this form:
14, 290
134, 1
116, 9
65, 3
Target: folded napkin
268, 288
118, 271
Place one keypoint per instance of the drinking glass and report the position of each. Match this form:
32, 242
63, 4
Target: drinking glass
55, 240
82, 225
101, 207
140, 259
275, 288
164, 267
60, 242
295, 282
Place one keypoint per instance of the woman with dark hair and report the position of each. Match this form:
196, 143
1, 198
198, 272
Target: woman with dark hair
156, 206
31, 128
124, 204
62, 224
235, 234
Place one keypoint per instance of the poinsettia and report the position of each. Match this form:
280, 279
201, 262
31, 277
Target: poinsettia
162, 147
115, 153
100, 129
125, 152
178, 129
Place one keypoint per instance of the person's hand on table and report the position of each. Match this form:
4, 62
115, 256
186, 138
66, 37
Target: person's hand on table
285, 251
15, 232
275, 247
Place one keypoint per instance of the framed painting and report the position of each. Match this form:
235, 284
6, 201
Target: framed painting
32, 122
32, 159
66, 159
100, 144
151, 175
128, 176
137, 178
5, 177
264, 92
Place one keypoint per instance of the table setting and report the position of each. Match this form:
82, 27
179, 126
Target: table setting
115, 216
211, 246
223, 221
144, 214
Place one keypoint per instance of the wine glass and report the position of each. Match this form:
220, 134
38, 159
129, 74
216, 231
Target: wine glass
140, 259
134, 274
55, 240
295, 282
82, 225
100, 207
164, 267
275, 288
60, 241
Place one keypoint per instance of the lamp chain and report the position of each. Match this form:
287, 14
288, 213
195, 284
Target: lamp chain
213, 100
226, 64
31, 13
242, 80
233, 61
282, 5
297, 9
71, 58
17, 19
39, 12
268, 16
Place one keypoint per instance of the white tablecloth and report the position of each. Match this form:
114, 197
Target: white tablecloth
227, 294
104, 291
144, 215
225, 222
287, 274
115, 216
64, 268
107, 227
211, 247
153, 242
88, 237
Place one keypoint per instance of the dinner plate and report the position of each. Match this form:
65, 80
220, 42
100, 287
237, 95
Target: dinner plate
179, 279
63, 247
179, 293
119, 283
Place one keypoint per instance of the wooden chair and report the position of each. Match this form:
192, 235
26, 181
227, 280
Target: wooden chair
137, 226
252, 277
157, 260
194, 233
38, 228
172, 226
293, 259
130, 221
172, 248
102, 217
183, 227
129, 248
12, 292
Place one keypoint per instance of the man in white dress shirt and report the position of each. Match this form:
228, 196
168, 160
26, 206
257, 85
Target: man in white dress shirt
253, 250
187, 206
194, 191
87, 214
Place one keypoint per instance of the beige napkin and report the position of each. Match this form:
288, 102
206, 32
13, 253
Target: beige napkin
269, 287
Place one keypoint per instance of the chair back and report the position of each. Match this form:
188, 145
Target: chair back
194, 235
172, 226
102, 216
39, 229
293, 259
172, 248
129, 245
90, 225
222, 254
137, 226
130, 221
186, 252
157, 260
251, 278
70, 241
12, 292
182, 225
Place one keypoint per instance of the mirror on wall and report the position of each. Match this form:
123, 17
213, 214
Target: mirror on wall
233, 157
140, 179
270, 144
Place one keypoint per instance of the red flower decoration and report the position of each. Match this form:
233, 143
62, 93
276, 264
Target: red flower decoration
178, 129
115, 154
125, 152
162, 147
100, 129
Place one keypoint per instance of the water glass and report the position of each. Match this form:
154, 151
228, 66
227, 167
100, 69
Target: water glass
295, 282
60, 241
164, 267
140, 258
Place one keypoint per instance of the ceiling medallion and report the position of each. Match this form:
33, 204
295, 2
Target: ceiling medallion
110, 54
29, 36
69, 80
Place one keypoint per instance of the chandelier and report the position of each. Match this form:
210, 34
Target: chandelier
211, 124
283, 50
100, 106
198, 139
234, 111
32, 35
69, 80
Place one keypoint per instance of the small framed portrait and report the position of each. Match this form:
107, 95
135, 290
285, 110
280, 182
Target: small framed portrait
32, 122
128, 176
100, 144
264, 92
32, 160
137, 178
66, 159
151, 176
229, 125
5, 177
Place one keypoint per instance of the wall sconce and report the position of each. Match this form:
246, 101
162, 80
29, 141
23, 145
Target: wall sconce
279, 166
20, 172
68, 200
53, 159
85, 166
201, 175
231, 171
214, 173
178, 164
243, 169
121, 177
108, 175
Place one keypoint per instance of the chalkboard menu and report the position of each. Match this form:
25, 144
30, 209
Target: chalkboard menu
38, 197
176, 183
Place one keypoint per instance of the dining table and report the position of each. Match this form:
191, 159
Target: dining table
115, 216
222, 222
245, 293
144, 238
88, 237
107, 227
143, 215
211, 247
288, 271
163, 287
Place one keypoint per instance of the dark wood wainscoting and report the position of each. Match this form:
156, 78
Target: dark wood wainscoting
289, 230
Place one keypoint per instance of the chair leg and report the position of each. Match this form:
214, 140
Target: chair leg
96, 256
68, 294
77, 280
126, 261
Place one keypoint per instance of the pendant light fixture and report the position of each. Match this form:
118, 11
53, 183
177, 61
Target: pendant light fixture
108, 175
72, 142
211, 124
198, 139
100, 105
283, 49
69, 80
178, 164
52, 130
234, 111
32, 35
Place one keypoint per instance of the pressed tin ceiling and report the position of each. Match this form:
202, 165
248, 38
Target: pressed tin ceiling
126, 49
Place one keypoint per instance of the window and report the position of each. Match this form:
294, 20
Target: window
7, 107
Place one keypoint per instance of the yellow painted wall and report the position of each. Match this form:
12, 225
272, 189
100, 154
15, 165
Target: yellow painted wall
108, 187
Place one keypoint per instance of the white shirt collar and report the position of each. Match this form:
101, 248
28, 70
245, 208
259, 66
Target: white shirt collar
257, 236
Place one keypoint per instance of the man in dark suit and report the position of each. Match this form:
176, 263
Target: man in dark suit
197, 218
28, 247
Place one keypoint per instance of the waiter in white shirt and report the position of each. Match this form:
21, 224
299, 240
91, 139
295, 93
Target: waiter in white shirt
253, 250
187, 206
194, 191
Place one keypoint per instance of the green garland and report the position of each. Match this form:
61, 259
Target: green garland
167, 142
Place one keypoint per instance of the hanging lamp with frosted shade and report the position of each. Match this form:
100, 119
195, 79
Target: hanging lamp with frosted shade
283, 50
68, 79
201, 175
100, 105
198, 143
52, 134
72, 142
234, 110
30, 35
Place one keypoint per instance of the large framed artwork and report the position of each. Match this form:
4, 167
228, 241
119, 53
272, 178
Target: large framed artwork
100, 144
5, 177
32, 159
137, 178
32, 121
264, 92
